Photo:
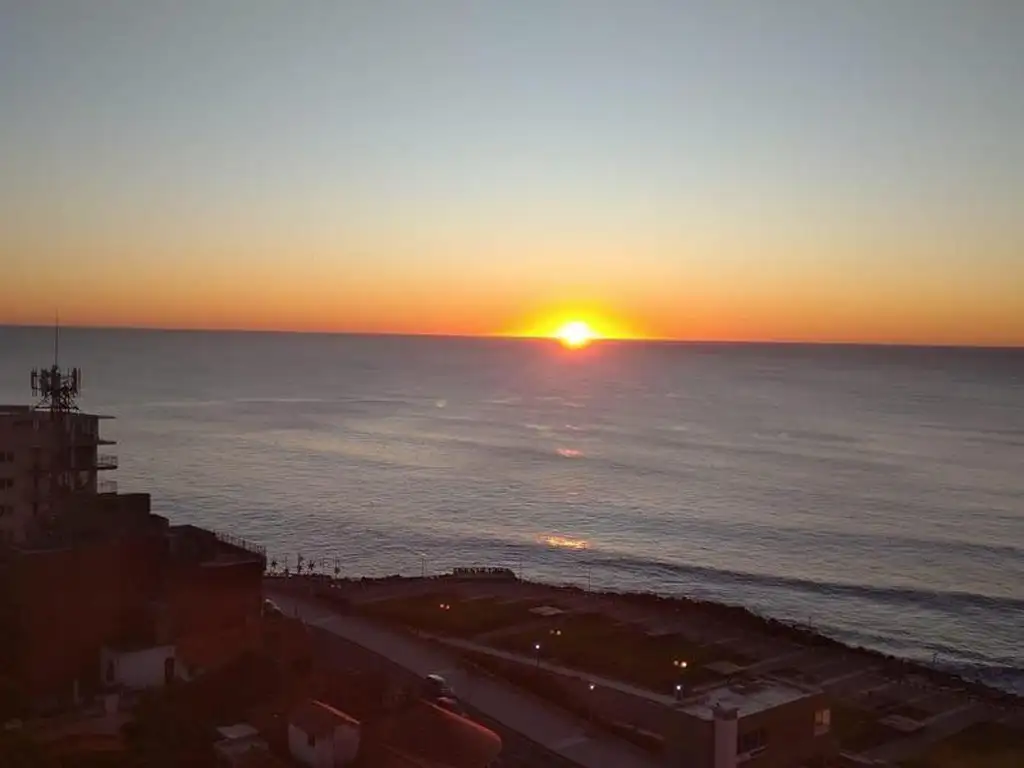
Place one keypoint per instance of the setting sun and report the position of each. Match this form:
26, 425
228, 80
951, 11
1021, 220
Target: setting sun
575, 334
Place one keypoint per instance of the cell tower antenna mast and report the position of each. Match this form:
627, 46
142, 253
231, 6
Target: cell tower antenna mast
58, 389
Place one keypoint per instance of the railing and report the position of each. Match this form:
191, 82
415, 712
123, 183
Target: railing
237, 541
106, 461
106, 486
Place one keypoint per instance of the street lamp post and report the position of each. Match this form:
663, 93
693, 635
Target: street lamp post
536, 649
680, 665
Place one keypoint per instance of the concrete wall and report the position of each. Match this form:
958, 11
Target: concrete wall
690, 742
791, 734
619, 706
346, 744
136, 670
69, 603
319, 755
211, 598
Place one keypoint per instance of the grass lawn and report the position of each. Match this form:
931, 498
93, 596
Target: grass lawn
984, 745
857, 729
599, 645
446, 613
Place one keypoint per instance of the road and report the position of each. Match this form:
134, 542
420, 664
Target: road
549, 726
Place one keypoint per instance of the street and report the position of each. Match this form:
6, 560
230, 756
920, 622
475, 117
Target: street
549, 726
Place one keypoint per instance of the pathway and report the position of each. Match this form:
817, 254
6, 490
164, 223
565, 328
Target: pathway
602, 682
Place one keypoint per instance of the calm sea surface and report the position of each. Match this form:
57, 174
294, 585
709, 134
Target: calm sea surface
876, 492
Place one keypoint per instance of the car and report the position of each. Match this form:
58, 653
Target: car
435, 688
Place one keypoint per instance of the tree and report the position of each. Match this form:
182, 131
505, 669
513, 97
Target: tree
17, 750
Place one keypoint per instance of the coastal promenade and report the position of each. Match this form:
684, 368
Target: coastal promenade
550, 727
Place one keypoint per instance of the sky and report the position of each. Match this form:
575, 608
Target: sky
800, 171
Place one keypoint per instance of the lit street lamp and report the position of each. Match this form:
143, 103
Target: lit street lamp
680, 665
536, 648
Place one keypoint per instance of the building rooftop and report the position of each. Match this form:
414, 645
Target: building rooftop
747, 698
238, 731
22, 410
9, 410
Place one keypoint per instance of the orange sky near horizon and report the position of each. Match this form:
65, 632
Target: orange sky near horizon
854, 307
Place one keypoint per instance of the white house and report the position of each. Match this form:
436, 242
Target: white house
320, 736
138, 668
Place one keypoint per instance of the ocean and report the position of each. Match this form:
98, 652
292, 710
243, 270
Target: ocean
876, 493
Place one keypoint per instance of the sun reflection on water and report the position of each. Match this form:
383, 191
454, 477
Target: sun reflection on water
563, 542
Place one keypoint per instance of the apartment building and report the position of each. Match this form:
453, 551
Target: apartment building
47, 455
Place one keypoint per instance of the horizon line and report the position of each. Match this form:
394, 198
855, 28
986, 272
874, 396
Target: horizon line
531, 337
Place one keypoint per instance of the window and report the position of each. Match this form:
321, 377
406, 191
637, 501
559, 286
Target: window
6, 509
752, 742
6, 457
6, 483
822, 721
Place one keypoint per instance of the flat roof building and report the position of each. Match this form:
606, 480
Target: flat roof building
759, 723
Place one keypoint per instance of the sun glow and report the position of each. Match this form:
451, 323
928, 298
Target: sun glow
563, 542
575, 334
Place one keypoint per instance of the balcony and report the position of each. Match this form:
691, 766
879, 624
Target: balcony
106, 461
106, 486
